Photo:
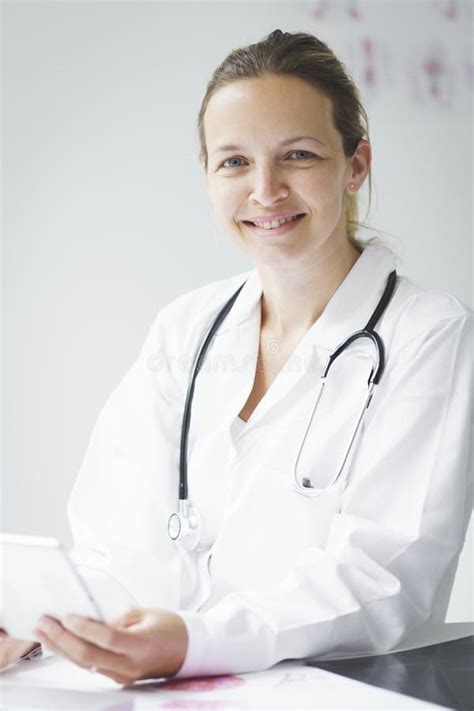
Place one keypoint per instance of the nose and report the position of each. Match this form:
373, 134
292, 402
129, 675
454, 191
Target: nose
268, 186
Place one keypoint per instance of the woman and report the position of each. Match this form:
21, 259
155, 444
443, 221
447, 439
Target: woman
308, 544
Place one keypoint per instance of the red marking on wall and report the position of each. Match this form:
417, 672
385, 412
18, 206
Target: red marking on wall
450, 10
319, 12
434, 70
353, 10
369, 75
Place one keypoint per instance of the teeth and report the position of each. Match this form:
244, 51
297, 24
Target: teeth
275, 223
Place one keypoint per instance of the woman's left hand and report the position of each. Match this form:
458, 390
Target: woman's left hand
140, 644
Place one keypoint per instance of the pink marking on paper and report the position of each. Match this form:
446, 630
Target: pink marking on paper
209, 683
204, 705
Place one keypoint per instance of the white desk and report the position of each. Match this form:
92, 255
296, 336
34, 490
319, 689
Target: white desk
54, 684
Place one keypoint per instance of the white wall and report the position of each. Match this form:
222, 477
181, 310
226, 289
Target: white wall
105, 214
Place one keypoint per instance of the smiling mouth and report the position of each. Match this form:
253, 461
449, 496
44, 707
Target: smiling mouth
274, 224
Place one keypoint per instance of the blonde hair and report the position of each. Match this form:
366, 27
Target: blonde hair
302, 55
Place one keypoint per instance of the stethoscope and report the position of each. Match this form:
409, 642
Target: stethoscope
185, 525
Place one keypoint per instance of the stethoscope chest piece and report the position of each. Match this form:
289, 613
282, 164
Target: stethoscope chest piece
185, 526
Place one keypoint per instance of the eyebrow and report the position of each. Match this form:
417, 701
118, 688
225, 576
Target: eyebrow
232, 147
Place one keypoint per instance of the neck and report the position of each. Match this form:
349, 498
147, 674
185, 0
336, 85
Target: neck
294, 298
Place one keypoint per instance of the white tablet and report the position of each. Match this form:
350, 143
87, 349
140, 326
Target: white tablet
37, 577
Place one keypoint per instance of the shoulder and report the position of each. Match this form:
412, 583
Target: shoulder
418, 311
178, 321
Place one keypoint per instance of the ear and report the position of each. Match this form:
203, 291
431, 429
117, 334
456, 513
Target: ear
359, 165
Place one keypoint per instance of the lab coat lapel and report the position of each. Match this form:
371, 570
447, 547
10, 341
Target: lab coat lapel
239, 335
224, 384
354, 302
298, 366
242, 340
226, 378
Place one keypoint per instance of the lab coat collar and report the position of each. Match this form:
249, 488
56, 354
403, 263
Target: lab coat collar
348, 310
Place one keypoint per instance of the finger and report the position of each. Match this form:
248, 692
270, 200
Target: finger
11, 650
120, 673
82, 653
98, 633
56, 649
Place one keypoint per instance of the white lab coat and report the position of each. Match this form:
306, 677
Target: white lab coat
279, 574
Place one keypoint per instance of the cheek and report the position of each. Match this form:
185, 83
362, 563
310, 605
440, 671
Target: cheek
226, 197
322, 188
322, 180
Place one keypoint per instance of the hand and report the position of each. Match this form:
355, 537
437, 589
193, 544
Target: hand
12, 649
140, 644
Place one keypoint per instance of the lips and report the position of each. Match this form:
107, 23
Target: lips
268, 232
263, 219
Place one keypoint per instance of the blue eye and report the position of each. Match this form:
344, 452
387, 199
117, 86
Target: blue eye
231, 166
305, 157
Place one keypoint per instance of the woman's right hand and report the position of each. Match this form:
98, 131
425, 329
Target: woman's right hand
12, 649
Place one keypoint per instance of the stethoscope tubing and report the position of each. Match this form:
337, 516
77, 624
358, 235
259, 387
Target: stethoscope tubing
197, 365
310, 490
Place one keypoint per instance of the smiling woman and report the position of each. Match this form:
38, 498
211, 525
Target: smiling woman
334, 101
293, 169
301, 490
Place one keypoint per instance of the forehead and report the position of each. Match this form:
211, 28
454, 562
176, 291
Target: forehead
269, 105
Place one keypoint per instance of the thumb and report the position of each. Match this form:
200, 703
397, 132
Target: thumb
128, 618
